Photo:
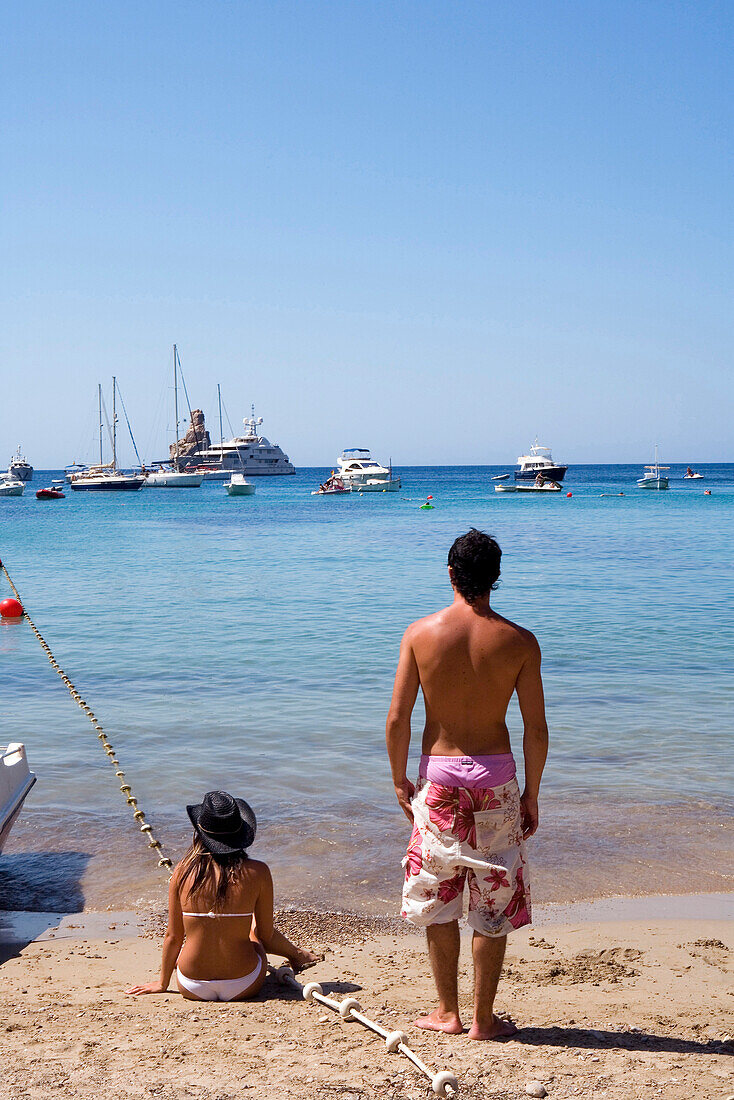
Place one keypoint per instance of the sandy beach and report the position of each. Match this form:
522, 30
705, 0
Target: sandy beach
622, 1009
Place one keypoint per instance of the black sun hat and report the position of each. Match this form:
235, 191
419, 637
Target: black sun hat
225, 825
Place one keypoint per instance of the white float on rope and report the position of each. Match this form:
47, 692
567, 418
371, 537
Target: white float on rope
444, 1084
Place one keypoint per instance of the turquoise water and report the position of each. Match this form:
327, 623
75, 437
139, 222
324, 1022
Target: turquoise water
250, 644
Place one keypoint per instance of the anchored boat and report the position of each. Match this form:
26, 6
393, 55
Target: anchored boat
16, 780
105, 477
19, 468
54, 491
361, 473
539, 461
653, 478
10, 486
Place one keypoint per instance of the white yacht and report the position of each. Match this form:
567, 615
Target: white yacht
16, 780
539, 461
19, 468
361, 473
250, 453
653, 478
11, 486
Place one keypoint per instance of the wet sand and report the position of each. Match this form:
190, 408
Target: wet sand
620, 1009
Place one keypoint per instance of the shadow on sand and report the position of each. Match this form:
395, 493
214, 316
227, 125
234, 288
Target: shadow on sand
589, 1039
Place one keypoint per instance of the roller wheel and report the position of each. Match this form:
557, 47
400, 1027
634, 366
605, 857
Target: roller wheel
310, 989
394, 1039
444, 1081
347, 1006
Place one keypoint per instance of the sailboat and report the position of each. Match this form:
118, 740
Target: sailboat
173, 477
105, 477
652, 478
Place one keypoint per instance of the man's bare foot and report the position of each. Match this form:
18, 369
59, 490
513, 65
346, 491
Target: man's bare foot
498, 1029
302, 959
447, 1022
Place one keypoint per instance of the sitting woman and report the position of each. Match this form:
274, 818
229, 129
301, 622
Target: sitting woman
220, 910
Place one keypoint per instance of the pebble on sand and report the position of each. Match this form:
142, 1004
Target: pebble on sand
535, 1088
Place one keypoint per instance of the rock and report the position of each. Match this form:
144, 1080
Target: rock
535, 1088
196, 438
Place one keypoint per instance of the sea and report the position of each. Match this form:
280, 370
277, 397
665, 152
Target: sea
249, 644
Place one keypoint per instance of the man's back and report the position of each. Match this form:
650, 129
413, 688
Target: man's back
469, 663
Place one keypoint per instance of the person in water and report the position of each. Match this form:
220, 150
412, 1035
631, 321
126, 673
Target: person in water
469, 820
220, 910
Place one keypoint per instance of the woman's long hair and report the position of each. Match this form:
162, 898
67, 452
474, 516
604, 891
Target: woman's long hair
202, 873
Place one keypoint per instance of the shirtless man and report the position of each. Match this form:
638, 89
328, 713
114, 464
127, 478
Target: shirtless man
469, 820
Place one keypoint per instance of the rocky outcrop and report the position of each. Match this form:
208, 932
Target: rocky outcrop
196, 438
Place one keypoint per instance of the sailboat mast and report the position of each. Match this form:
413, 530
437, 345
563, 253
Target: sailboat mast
99, 397
175, 401
221, 430
114, 423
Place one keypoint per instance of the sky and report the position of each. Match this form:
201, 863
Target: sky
438, 230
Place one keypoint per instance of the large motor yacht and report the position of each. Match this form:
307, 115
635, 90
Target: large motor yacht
19, 468
362, 474
250, 454
539, 461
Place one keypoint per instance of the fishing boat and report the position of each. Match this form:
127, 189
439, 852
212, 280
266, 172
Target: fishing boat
361, 473
105, 477
19, 468
54, 491
539, 461
332, 485
653, 478
239, 486
10, 486
16, 780
692, 475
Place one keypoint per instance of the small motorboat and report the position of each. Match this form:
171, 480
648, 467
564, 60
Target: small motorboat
500, 477
546, 487
239, 486
11, 486
692, 475
332, 485
16, 780
54, 491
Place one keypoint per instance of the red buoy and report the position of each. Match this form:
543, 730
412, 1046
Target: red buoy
11, 609
569, 494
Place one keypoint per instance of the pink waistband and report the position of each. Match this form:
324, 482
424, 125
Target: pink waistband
468, 771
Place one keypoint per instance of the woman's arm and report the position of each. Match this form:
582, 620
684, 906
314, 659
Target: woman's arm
269, 936
172, 943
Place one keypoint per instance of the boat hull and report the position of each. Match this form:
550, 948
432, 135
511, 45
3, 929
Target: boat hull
174, 480
21, 470
375, 486
49, 494
239, 490
16, 780
108, 485
553, 473
657, 483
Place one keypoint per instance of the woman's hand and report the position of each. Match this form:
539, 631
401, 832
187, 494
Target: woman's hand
150, 987
529, 814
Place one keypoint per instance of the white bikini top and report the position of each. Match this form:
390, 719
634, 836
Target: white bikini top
185, 914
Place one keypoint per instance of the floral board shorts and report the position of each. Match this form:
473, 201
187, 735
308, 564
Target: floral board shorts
467, 835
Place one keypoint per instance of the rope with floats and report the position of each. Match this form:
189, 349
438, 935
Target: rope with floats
126, 790
443, 1083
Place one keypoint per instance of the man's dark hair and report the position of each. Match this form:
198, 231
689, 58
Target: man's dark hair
474, 560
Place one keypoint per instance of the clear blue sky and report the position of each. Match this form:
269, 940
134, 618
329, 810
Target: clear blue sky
435, 229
